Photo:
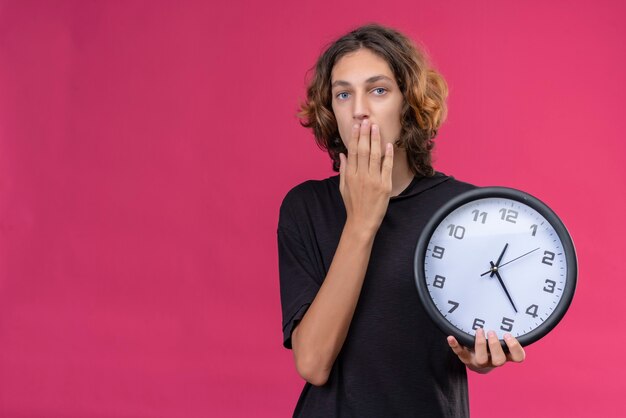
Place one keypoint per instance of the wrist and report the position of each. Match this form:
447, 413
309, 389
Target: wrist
359, 232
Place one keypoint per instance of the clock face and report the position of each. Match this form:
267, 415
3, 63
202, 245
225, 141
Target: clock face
498, 259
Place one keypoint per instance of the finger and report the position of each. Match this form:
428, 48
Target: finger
498, 358
351, 163
363, 148
387, 166
375, 154
516, 351
342, 171
481, 357
462, 353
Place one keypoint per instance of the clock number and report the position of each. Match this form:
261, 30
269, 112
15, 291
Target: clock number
548, 258
550, 284
456, 231
532, 310
454, 306
478, 214
438, 252
508, 215
478, 323
439, 281
534, 228
507, 324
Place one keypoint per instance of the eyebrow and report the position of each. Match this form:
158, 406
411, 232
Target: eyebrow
368, 81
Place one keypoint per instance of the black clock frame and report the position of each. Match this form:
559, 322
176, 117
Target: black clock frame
506, 193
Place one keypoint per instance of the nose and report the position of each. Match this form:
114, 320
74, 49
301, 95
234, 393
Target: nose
361, 109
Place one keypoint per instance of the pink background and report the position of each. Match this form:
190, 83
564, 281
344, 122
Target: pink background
145, 148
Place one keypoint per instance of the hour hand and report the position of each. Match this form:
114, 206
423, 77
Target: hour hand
497, 262
500, 258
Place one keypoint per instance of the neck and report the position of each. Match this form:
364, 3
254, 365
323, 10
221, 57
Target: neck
401, 175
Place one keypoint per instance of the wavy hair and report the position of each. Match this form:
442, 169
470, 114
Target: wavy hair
424, 90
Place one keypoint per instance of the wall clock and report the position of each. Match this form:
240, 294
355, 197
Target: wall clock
496, 258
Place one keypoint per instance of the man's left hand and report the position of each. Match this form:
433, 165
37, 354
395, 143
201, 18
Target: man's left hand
483, 360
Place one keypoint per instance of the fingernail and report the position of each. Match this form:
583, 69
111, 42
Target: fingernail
507, 336
491, 334
355, 126
365, 122
374, 127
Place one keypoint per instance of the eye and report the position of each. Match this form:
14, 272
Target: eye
340, 97
384, 90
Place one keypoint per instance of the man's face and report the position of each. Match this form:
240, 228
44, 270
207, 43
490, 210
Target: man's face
364, 87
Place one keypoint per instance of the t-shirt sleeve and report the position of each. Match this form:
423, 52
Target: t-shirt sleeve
299, 281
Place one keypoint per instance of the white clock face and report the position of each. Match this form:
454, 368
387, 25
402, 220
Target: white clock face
498, 264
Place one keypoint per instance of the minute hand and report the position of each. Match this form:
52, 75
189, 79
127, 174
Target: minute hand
509, 262
503, 286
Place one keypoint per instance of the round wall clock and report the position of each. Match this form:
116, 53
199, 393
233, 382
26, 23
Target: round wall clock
499, 259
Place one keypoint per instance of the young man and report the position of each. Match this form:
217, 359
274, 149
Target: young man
351, 314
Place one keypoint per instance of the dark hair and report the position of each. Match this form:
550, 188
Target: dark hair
423, 88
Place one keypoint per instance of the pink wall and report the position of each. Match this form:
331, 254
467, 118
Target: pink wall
145, 148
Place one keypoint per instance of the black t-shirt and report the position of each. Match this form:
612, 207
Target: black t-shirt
394, 362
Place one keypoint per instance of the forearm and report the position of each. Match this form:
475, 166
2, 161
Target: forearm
322, 331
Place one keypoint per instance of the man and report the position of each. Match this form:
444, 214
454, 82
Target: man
350, 310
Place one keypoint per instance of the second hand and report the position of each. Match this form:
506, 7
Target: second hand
509, 262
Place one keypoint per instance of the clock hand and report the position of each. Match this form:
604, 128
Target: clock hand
495, 271
523, 255
509, 262
499, 258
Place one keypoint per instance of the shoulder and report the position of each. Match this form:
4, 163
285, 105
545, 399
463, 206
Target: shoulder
302, 197
440, 188
455, 186
308, 189
460, 185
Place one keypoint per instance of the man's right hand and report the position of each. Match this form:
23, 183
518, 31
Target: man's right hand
365, 178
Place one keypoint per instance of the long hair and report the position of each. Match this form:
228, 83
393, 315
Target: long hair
423, 88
